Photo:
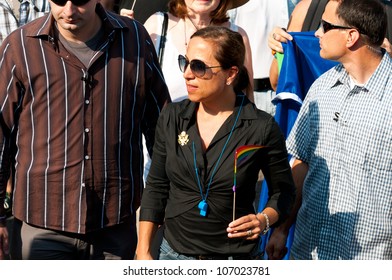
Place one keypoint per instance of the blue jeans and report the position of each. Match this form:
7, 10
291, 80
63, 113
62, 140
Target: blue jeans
167, 253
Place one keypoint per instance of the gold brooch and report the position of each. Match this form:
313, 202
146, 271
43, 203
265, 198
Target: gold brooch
183, 138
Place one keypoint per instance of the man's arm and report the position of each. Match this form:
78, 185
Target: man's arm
276, 247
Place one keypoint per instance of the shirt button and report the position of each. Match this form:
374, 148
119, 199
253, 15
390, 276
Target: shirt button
83, 185
87, 101
86, 157
87, 130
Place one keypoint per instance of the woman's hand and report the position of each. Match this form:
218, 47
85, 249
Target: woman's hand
127, 13
248, 227
276, 37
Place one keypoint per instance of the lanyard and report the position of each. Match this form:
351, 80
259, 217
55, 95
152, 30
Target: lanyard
203, 206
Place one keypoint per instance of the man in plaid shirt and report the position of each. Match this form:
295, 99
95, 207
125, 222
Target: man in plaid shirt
15, 13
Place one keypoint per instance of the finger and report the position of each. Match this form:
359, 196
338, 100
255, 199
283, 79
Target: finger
240, 221
245, 234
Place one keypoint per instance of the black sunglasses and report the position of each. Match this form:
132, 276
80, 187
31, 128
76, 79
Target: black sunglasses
198, 67
326, 26
75, 2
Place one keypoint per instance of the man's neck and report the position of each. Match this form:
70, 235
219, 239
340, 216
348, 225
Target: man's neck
362, 65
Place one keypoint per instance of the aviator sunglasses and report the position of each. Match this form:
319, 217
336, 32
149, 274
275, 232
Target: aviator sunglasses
326, 26
198, 67
75, 2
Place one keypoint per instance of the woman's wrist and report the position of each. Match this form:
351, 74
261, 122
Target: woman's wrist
264, 221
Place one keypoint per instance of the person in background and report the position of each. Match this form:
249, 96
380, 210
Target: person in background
191, 177
341, 143
301, 20
142, 9
186, 17
15, 13
79, 101
258, 18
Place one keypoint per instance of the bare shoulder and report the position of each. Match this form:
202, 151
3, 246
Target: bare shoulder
298, 15
152, 22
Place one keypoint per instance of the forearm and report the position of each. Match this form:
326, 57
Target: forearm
147, 231
299, 170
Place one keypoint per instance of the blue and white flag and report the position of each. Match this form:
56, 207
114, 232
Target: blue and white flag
301, 65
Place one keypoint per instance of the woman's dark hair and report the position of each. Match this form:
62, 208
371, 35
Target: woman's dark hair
229, 50
218, 16
367, 16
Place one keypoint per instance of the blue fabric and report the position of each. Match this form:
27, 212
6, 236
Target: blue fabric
301, 65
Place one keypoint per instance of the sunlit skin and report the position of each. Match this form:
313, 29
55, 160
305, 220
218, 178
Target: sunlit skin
332, 49
76, 24
212, 88
199, 10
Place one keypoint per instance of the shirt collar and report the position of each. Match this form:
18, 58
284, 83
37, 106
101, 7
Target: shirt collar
249, 110
377, 82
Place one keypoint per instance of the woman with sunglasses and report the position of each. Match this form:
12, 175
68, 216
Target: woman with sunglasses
190, 183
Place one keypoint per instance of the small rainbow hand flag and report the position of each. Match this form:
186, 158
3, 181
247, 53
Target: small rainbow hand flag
241, 154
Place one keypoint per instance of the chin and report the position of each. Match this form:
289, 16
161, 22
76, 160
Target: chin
194, 98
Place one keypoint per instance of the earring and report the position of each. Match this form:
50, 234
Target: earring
228, 83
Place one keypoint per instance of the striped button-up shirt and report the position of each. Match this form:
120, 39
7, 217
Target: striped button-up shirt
344, 133
75, 133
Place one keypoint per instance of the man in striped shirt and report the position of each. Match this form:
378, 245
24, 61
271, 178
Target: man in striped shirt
78, 88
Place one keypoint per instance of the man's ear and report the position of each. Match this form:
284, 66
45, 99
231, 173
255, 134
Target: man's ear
353, 36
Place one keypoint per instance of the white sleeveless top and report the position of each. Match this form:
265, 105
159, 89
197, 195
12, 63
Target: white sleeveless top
173, 76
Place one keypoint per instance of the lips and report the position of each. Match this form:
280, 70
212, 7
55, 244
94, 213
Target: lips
190, 87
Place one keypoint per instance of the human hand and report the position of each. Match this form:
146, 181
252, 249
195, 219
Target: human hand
4, 247
276, 246
127, 13
248, 227
387, 46
276, 37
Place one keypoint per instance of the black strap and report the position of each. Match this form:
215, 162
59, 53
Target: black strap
163, 38
313, 16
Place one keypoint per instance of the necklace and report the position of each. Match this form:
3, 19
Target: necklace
203, 206
194, 25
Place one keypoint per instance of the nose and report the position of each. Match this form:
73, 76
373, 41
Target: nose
319, 32
188, 73
69, 8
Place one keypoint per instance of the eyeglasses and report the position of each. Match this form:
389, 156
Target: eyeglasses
326, 26
198, 67
75, 2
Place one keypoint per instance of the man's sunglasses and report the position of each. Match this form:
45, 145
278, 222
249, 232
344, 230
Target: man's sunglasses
198, 67
326, 26
75, 2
